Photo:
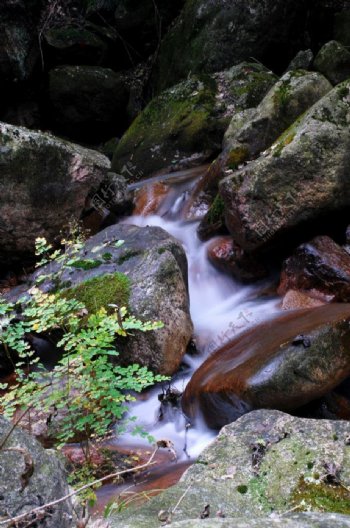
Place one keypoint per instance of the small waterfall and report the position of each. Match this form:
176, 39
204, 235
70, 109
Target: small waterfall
220, 308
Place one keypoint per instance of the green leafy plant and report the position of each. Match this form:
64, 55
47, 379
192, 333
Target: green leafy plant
85, 384
87, 388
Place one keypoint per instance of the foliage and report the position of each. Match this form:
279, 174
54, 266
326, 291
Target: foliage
86, 387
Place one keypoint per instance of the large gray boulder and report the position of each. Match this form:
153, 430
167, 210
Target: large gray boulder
44, 183
250, 134
303, 176
283, 363
31, 476
148, 274
211, 35
186, 123
265, 463
333, 60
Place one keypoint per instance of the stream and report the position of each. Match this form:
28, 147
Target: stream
220, 306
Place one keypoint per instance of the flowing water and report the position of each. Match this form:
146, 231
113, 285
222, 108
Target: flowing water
220, 308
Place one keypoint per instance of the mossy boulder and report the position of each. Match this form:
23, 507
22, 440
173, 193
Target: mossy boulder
44, 183
333, 60
30, 477
252, 130
265, 463
300, 179
302, 61
251, 133
144, 269
87, 101
185, 124
210, 36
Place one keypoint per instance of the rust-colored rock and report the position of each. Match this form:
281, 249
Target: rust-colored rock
149, 198
320, 265
225, 255
283, 363
297, 300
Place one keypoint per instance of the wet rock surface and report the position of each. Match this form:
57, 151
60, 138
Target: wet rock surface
297, 300
320, 266
282, 364
229, 258
266, 462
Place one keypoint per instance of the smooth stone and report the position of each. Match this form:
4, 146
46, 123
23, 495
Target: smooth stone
283, 363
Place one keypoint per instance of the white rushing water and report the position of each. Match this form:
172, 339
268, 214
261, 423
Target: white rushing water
220, 308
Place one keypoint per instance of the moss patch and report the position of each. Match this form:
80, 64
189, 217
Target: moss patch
251, 83
86, 264
286, 138
127, 255
237, 156
216, 211
322, 497
101, 291
179, 119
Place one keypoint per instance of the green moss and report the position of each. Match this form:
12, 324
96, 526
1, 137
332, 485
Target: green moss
181, 117
182, 109
286, 138
282, 95
322, 497
257, 488
127, 255
237, 156
216, 211
250, 83
86, 264
343, 90
107, 256
101, 291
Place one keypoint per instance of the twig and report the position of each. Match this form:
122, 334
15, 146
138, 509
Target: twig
13, 427
181, 499
39, 509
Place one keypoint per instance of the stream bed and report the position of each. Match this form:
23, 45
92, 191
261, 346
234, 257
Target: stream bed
220, 306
